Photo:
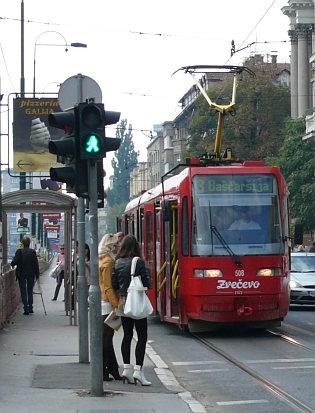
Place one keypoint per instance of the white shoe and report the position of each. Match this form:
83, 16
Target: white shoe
127, 374
138, 375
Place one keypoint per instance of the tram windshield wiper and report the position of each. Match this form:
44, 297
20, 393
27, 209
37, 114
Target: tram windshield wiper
225, 245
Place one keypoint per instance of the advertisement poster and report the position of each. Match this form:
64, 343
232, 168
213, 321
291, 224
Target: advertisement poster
32, 133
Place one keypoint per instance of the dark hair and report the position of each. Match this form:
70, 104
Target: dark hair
26, 242
129, 247
87, 248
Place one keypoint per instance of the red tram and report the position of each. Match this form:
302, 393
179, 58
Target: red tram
215, 239
208, 265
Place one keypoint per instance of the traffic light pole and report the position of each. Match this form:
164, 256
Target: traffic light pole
82, 288
96, 366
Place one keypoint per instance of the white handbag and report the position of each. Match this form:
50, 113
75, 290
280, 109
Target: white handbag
137, 304
56, 270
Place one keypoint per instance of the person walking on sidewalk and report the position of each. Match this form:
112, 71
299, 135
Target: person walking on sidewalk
110, 298
27, 271
121, 279
61, 276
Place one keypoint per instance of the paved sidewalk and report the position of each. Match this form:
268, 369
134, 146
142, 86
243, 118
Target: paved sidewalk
40, 372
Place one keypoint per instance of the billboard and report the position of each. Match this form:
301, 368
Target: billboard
32, 133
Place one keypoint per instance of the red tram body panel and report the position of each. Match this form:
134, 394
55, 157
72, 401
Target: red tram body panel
215, 243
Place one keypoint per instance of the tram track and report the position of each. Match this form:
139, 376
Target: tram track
259, 378
290, 340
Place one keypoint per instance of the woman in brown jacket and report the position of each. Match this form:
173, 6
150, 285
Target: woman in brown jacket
107, 249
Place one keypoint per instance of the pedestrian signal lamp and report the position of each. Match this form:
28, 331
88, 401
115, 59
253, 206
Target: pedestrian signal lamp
92, 121
91, 130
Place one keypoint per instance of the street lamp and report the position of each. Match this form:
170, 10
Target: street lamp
76, 44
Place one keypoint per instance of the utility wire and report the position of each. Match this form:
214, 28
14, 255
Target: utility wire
256, 25
6, 67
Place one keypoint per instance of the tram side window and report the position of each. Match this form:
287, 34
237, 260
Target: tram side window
185, 227
274, 221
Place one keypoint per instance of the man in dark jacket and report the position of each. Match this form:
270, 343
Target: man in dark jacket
26, 272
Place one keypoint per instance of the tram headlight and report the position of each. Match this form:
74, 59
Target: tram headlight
208, 273
268, 272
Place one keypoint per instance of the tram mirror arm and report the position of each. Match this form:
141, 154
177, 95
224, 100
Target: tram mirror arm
225, 245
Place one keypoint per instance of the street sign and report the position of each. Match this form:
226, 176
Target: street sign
23, 229
51, 227
68, 95
50, 215
52, 234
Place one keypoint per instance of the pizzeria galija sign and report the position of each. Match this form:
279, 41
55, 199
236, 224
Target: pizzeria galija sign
32, 133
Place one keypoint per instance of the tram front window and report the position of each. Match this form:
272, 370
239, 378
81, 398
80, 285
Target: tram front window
244, 209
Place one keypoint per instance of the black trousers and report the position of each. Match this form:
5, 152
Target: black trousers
109, 356
26, 284
141, 327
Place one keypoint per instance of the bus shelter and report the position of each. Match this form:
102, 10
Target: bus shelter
46, 201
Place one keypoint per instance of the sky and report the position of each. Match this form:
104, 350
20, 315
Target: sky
133, 48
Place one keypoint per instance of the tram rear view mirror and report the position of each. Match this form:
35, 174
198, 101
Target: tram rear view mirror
166, 209
298, 234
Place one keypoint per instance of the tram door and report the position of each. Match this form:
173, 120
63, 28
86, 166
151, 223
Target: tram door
170, 232
149, 250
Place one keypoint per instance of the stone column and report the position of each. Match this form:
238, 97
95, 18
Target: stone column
294, 74
303, 32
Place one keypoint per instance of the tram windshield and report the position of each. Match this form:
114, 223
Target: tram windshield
243, 209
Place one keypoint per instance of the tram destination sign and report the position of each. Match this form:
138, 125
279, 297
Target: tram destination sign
233, 184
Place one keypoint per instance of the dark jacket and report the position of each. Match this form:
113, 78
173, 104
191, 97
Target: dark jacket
27, 264
121, 274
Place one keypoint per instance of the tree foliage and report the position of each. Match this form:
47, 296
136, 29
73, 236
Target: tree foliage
296, 162
124, 161
111, 217
255, 131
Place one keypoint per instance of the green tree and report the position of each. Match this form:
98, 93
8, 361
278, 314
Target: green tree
254, 130
296, 162
124, 161
111, 217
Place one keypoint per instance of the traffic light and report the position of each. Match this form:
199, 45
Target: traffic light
84, 141
91, 131
74, 173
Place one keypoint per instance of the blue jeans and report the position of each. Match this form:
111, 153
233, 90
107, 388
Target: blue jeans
59, 283
26, 284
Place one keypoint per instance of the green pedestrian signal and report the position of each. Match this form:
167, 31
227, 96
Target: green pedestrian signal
91, 141
92, 144
90, 136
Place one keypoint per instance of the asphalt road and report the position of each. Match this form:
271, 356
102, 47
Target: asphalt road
221, 386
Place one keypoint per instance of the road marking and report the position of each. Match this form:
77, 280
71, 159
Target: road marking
194, 363
207, 371
293, 367
238, 402
279, 361
169, 381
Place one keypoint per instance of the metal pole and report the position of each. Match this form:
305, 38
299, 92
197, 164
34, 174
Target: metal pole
96, 370
82, 289
82, 282
22, 85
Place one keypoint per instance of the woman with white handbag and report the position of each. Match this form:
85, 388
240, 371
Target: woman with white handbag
121, 280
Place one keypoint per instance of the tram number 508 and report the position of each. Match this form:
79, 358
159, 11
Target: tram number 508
239, 273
